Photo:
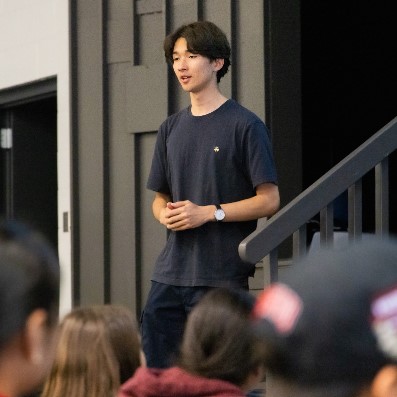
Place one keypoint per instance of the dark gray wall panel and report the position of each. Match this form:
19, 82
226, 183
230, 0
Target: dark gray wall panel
150, 36
249, 44
147, 97
120, 9
153, 235
220, 13
183, 11
122, 192
119, 36
123, 252
90, 125
149, 6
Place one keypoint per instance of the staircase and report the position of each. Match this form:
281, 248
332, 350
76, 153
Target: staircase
346, 176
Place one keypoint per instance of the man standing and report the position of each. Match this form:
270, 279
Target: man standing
214, 175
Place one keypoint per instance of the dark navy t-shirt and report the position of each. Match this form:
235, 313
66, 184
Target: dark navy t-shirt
216, 158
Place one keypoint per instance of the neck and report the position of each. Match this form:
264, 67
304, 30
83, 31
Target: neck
8, 389
12, 365
206, 102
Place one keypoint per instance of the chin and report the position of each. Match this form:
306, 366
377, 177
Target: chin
186, 89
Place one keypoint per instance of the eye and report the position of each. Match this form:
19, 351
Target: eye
175, 59
192, 56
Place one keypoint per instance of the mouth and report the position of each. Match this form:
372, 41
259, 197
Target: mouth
184, 79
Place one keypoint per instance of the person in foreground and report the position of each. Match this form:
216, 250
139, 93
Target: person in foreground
98, 349
330, 328
214, 176
29, 304
220, 353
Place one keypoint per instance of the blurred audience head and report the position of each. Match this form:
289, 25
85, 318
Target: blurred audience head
98, 349
219, 341
330, 327
29, 303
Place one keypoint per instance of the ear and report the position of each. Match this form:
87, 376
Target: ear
34, 336
385, 382
218, 64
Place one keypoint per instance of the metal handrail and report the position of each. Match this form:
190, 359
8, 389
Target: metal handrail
318, 198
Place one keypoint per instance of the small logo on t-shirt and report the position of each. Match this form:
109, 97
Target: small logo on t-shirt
216, 149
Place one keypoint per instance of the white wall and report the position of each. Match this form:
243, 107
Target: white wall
34, 44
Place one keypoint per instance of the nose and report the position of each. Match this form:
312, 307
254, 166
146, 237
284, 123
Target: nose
182, 64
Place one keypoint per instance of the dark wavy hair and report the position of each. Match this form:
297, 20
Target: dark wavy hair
29, 277
204, 38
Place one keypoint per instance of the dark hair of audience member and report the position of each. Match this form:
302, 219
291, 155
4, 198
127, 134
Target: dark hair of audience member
218, 341
29, 304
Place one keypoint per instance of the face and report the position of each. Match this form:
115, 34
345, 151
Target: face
38, 345
195, 72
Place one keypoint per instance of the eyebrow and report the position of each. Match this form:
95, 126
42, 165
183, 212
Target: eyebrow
187, 50
177, 52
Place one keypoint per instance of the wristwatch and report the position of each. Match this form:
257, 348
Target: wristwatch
219, 213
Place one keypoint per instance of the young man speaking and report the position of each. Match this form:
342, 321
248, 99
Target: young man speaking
214, 175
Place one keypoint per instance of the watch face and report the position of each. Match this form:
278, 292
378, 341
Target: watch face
219, 215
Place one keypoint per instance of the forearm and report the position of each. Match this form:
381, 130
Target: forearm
182, 215
264, 204
245, 210
159, 205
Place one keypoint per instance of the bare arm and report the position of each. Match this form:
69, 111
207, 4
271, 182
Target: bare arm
159, 206
183, 215
265, 203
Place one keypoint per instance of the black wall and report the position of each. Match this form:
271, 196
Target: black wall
348, 86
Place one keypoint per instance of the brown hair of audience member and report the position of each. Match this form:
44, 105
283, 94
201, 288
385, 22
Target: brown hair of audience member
219, 341
98, 349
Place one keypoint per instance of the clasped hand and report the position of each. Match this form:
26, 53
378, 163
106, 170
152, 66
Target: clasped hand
183, 215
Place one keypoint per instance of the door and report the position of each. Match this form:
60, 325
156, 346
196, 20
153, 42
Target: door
28, 161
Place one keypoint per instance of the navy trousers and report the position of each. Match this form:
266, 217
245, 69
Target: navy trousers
163, 321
